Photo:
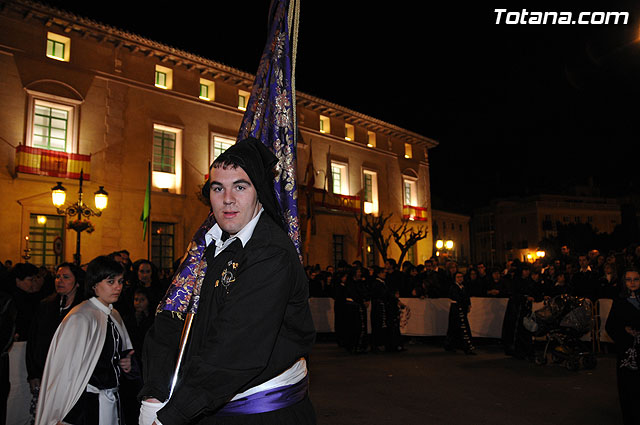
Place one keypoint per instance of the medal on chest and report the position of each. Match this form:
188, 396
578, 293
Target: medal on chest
228, 276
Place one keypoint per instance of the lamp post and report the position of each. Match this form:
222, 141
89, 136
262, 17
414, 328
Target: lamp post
79, 210
446, 245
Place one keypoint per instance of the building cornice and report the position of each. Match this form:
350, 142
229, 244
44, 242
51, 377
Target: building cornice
69, 22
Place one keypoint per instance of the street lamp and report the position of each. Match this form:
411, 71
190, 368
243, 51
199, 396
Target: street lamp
447, 245
79, 210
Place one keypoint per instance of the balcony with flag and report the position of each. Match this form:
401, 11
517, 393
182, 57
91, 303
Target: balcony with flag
332, 201
44, 162
412, 213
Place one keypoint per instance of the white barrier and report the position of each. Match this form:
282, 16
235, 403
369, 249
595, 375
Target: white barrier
430, 316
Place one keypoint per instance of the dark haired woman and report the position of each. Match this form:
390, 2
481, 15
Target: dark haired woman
25, 293
459, 331
68, 293
23, 287
623, 326
146, 276
82, 372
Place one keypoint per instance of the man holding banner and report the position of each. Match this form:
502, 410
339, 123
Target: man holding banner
246, 357
231, 338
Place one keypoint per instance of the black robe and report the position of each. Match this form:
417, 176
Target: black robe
458, 330
623, 314
239, 339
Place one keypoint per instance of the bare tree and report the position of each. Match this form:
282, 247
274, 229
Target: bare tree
374, 226
406, 237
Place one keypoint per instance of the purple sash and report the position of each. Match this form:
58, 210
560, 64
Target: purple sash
267, 401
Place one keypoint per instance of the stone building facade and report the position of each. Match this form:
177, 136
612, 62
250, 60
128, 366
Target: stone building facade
83, 96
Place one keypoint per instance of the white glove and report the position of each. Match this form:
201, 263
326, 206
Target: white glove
148, 412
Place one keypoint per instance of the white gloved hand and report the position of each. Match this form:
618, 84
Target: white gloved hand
148, 412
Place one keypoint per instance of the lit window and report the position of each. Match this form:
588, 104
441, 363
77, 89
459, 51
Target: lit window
164, 151
370, 192
167, 158
52, 125
325, 124
243, 99
45, 232
410, 192
408, 151
348, 132
207, 89
340, 178
371, 139
219, 145
58, 47
164, 77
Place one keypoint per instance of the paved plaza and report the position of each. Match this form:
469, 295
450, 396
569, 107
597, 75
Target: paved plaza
426, 385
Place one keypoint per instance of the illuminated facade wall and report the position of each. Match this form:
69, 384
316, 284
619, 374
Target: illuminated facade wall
81, 95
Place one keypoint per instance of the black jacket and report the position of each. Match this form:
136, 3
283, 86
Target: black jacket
622, 314
239, 339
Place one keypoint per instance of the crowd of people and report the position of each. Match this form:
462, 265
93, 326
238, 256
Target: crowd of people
591, 275
35, 300
355, 287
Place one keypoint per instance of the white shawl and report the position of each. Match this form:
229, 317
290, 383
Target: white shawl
73, 355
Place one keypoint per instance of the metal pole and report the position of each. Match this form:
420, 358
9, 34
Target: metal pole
77, 254
183, 345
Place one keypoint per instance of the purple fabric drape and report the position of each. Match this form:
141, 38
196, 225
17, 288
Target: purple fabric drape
270, 117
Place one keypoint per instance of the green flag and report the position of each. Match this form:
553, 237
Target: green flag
146, 208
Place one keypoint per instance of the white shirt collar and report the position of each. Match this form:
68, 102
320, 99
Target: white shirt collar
103, 308
215, 234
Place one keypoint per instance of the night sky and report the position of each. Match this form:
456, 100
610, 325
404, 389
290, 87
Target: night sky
516, 109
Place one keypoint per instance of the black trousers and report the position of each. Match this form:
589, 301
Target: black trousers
5, 386
629, 394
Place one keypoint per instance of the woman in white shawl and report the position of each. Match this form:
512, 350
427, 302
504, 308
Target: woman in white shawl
82, 372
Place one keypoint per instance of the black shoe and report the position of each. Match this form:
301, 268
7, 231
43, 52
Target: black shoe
451, 349
471, 353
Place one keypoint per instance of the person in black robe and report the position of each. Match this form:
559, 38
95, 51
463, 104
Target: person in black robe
69, 281
458, 330
474, 285
343, 311
496, 286
623, 326
8, 314
359, 290
253, 326
517, 340
379, 311
137, 321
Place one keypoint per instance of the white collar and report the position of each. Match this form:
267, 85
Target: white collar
215, 234
103, 308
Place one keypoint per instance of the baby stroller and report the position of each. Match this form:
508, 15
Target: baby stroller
563, 321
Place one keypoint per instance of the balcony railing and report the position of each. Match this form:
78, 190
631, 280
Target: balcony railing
409, 212
332, 201
45, 162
